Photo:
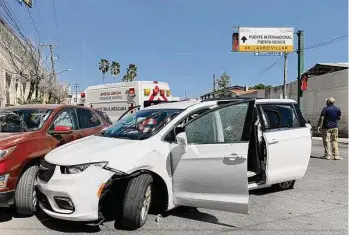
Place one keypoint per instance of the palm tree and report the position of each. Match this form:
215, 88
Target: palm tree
131, 73
104, 66
115, 69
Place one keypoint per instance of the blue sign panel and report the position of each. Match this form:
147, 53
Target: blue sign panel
268, 53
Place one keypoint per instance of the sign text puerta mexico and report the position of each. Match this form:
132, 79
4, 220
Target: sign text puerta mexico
266, 39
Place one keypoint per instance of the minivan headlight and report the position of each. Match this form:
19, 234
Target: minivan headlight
80, 168
6, 152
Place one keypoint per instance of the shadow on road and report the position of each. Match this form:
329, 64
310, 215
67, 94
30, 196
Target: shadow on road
194, 214
317, 157
7, 214
265, 191
65, 226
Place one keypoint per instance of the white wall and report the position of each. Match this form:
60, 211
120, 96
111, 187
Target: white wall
319, 88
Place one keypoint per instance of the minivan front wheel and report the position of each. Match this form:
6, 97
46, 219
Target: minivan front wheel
137, 201
25, 195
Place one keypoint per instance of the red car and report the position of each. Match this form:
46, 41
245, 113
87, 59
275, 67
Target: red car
27, 134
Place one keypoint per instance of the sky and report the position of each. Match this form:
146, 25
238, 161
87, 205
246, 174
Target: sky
182, 42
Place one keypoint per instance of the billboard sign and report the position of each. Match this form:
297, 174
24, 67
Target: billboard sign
266, 39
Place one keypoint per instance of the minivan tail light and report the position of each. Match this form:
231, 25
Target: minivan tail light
82, 95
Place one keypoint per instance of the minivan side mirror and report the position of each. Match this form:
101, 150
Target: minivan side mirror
61, 130
182, 141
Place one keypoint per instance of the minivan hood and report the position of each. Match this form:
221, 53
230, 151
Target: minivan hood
94, 149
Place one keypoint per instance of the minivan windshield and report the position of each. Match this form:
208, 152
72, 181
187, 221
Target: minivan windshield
22, 120
141, 124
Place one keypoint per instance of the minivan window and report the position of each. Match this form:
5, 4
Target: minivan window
141, 124
280, 116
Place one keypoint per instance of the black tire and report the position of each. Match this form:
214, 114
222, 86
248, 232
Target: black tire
285, 185
133, 202
25, 192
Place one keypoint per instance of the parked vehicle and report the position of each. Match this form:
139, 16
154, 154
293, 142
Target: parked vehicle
27, 134
205, 154
116, 98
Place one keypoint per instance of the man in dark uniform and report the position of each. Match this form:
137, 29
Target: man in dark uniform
328, 123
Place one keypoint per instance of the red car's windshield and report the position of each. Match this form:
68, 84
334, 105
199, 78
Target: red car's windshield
21, 120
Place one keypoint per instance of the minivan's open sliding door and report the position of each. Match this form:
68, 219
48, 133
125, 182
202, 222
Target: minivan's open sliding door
212, 170
288, 142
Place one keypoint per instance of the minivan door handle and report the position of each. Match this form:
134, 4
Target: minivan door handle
273, 141
233, 159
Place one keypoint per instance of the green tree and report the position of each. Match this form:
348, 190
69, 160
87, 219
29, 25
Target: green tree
223, 83
131, 73
104, 66
115, 69
261, 86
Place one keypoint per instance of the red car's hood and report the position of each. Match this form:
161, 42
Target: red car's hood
7, 138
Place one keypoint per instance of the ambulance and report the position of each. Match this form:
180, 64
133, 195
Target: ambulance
117, 98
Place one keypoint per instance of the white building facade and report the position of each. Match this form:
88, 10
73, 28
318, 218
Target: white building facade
12, 86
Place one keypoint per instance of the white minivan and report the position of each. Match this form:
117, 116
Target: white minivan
204, 154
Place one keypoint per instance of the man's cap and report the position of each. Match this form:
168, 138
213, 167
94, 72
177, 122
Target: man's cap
331, 100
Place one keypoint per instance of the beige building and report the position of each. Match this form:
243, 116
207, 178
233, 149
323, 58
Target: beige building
325, 80
12, 52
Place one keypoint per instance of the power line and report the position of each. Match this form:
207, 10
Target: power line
39, 14
12, 20
262, 73
316, 45
31, 18
326, 42
55, 13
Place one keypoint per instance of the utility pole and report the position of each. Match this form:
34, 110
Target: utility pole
53, 71
285, 75
52, 62
300, 52
51, 46
76, 86
214, 85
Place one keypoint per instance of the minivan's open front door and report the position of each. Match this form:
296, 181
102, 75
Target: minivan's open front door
288, 142
210, 170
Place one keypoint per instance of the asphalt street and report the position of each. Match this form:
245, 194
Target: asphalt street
317, 205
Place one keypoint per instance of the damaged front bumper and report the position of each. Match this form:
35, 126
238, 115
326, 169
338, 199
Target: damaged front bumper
74, 197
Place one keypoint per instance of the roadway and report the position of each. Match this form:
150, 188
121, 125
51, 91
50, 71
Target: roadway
317, 205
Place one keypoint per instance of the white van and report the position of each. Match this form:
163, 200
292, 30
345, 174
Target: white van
116, 98
205, 154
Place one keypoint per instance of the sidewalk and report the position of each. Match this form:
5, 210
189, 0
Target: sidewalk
340, 140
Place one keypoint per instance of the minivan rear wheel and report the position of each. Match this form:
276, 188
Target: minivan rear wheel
137, 202
25, 195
